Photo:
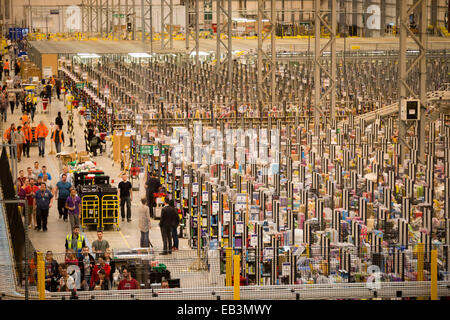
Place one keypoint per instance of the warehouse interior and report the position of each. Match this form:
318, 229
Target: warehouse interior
305, 146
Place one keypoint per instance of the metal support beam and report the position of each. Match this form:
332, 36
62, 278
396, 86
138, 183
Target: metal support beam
330, 26
224, 28
167, 25
147, 20
405, 90
266, 64
193, 27
130, 17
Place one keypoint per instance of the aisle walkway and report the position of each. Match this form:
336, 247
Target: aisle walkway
127, 237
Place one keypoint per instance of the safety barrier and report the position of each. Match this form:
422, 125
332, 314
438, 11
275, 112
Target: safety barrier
188, 282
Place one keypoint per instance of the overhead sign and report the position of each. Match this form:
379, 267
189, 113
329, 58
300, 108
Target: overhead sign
147, 149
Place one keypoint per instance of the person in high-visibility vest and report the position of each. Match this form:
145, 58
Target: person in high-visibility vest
58, 138
75, 240
40, 133
24, 118
28, 139
6, 68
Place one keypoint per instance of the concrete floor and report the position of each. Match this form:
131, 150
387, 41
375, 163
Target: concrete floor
54, 238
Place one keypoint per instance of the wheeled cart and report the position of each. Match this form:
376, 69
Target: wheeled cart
90, 210
110, 210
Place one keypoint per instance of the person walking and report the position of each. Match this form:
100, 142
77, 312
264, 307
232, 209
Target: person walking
28, 139
44, 200
44, 172
58, 85
67, 173
62, 192
41, 132
6, 68
58, 138
48, 92
176, 222
75, 241
73, 205
16, 67
152, 186
24, 117
59, 120
126, 196
144, 224
12, 100
33, 106
36, 170
169, 218
18, 139
4, 106
99, 246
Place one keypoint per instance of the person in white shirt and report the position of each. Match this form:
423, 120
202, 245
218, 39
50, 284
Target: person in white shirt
66, 283
36, 170
68, 175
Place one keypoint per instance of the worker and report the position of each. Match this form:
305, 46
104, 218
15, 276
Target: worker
75, 241
6, 68
58, 138
28, 139
24, 118
41, 133
7, 134
169, 220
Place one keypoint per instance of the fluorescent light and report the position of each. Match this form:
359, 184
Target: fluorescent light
88, 55
200, 53
243, 20
139, 55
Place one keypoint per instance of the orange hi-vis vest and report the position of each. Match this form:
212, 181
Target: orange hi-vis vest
41, 131
27, 133
60, 135
7, 134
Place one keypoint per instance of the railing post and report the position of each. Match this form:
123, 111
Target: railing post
434, 275
229, 267
41, 275
420, 256
237, 278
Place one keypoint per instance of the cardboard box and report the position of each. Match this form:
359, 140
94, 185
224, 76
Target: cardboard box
82, 154
84, 158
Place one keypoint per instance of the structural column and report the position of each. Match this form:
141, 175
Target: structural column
269, 69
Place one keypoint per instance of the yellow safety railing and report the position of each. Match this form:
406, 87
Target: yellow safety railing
229, 267
41, 275
237, 277
434, 275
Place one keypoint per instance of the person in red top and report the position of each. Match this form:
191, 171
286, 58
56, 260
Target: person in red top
30, 202
128, 283
99, 266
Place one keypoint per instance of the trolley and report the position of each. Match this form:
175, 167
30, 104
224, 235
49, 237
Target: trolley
110, 210
90, 210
